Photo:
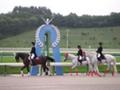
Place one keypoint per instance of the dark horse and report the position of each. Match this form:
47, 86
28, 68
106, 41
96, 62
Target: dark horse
42, 60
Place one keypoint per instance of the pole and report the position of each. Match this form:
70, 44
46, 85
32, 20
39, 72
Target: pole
67, 33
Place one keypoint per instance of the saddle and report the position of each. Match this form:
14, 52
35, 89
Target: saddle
82, 59
100, 57
36, 61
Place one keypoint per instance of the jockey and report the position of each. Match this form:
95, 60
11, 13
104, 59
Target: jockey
100, 55
33, 52
80, 54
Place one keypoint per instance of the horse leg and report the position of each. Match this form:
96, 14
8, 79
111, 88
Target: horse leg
90, 73
40, 70
91, 70
114, 67
45, 69
49, 68
74, 65
28, 70
114, 70
96, 70
89, 67
107, 69
49, 71
21, 72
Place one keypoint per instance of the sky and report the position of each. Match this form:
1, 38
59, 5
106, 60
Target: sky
64, 7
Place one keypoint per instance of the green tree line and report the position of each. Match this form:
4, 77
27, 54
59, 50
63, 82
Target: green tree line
23, 19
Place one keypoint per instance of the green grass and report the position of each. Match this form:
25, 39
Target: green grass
86, 37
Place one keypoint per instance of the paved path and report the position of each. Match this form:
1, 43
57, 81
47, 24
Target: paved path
66, 82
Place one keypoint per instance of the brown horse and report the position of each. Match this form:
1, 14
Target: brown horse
42, 60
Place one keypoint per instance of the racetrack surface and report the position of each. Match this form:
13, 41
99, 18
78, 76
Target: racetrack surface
66, 82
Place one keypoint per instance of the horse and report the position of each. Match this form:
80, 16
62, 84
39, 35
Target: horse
75, 62
110, 60
41, 60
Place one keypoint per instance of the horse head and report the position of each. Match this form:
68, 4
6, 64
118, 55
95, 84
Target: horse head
17, 57
65, 56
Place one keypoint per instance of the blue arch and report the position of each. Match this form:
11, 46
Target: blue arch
54, 38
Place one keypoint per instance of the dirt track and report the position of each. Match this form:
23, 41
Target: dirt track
67, 82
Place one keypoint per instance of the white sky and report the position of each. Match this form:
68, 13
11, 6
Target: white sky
64, 7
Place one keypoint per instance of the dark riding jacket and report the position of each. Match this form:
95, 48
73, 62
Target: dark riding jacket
80, 52
99, 50
33, 51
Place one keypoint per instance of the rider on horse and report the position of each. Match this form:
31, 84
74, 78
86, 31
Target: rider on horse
33, 54
80, 54
100, 55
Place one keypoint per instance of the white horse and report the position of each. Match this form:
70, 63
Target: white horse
75, 62
110, 61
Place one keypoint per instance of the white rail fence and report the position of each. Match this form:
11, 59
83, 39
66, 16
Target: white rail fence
51, 64
21, 64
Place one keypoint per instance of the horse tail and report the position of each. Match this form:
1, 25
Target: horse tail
114, 65
50, 59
